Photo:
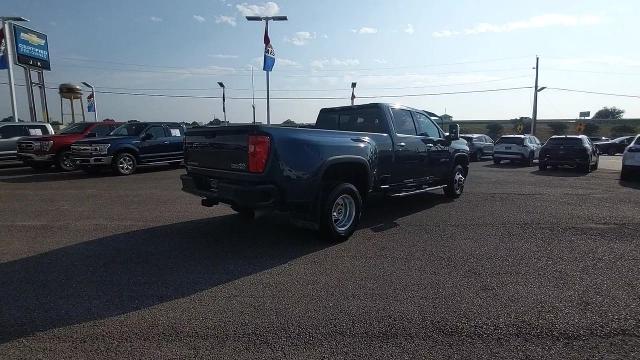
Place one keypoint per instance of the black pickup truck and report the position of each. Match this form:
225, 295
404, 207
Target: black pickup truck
322, 175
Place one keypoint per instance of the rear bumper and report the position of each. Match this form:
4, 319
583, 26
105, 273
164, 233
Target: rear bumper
36, 157
235, 194
91, 160
564, 161
508, 155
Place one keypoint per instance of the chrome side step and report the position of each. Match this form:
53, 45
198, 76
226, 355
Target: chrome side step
417, 191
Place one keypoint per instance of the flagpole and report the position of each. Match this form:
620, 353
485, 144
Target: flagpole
253, 97
266, 31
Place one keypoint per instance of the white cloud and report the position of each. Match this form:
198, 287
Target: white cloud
365, 30
222, 19
322, 63
607, 60
198, 18
534, 22
380, 61
279, 62
268, 9
409, 29
155, 19
223, 56
300, 38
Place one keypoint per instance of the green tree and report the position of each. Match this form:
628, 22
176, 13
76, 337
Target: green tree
558, 128
195, 123
622, 130
609, 113
591, 129
494, 130
215, 122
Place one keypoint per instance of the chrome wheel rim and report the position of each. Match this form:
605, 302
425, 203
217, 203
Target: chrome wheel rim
125, 164
458, 182
343, 213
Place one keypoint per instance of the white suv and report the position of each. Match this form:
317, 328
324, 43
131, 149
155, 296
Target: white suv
631, 160
520, 148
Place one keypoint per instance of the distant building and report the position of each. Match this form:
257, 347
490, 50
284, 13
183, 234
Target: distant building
442, 120
446, 118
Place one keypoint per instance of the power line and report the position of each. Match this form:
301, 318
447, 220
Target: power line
594, 92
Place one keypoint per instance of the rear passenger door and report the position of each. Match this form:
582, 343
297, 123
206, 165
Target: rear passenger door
410, 152
438, 153
488, 149
175, 136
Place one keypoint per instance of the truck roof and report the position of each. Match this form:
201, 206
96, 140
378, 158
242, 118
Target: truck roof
369, 105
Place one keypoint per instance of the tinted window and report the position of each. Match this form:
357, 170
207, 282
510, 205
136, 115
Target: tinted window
156, 132
11, 131
102, 129
175, 130
565, 141
75, 128
133, 129
425, 126
510, 140
361, 120
488, 139
637, 141
403, 122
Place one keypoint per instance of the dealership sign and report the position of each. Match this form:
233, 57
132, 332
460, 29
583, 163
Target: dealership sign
32, 48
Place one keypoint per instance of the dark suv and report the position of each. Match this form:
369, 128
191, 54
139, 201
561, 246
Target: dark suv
576, 151
129, 145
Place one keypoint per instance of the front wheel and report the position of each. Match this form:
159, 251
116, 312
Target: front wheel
455, 185
340, 212
611, 151
124, 164
64, 162
529, 161
625, 174
542, 166
496, 161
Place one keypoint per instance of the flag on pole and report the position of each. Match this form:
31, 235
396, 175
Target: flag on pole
269, 54
4, 62
91, 103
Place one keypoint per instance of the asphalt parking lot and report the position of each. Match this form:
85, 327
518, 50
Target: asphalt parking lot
525, 264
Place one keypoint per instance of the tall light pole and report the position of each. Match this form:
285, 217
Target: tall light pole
224, 100
8, 41
534, 117
95, 103
266, 20
353, 92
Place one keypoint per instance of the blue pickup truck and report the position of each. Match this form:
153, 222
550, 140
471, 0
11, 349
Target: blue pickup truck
322, 175
130, 145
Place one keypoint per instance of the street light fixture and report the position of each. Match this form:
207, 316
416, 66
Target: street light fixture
224, 109
8, 36
353, 92
93, 96
266, 20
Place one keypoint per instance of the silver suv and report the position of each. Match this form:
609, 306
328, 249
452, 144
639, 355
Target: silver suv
10, 132
517, 148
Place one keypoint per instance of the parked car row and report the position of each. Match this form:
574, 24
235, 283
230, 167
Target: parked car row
93, 147
615, 146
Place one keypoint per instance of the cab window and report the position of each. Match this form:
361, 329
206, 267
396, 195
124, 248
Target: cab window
403, 122
425, 126
156, 132
11, 131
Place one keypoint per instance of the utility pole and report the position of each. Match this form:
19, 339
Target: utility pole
253, 97
534, 117
353, 92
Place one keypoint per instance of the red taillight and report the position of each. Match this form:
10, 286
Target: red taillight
259, 146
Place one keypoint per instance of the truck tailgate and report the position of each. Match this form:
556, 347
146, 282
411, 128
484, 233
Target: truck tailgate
221, 148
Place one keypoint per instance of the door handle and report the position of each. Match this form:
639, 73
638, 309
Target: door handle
401, 144
165, 142
429, 146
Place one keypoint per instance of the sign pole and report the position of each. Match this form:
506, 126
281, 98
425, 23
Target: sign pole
253, 97
30, 99
43, 97
8, 36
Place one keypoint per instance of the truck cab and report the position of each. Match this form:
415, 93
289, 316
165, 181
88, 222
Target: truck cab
12, 132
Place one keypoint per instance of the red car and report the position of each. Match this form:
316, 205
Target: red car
40, 152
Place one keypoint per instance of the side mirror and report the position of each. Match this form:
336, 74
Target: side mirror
92, 134
454, 132
147, 136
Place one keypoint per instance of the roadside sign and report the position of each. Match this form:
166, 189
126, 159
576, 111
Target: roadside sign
31, 48
520, 128
585, 114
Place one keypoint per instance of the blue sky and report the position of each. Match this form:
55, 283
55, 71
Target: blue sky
390, 48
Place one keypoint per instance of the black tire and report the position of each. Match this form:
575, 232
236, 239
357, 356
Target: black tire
476, 156
529, 161
542, 166
39, 166
63, 161
625, 174
595, 166
340, 212
124, 164
586, 168
247, 214
455, 184
611, 151
496, 161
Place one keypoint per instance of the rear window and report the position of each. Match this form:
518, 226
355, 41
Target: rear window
637, 141
566, 141
361, 120
511, 140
